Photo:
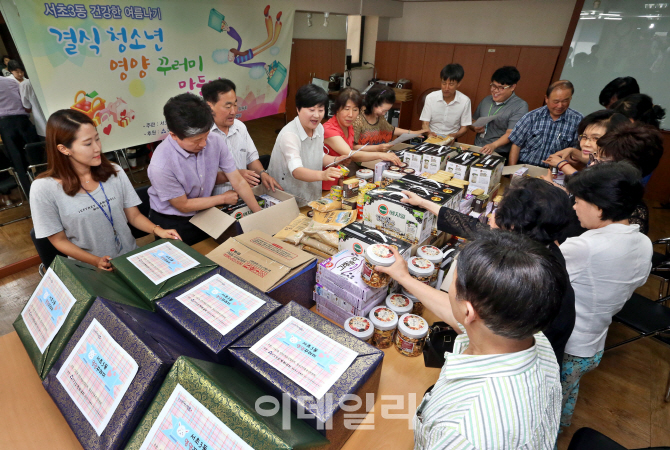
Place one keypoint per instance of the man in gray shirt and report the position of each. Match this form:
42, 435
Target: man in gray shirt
507, 109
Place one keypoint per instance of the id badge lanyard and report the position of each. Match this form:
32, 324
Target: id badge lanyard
496, 112
110, 219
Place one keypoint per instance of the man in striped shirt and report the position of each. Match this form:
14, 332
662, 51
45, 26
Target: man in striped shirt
546, 130
500, 388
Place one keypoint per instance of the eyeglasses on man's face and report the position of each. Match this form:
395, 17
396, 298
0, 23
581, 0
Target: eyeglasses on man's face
585, 138
498, 87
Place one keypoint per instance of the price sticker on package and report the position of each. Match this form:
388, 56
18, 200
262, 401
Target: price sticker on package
309, 358
96, 375
47, 309
185, 423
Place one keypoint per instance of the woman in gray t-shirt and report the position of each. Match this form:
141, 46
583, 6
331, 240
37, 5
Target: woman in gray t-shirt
83, 203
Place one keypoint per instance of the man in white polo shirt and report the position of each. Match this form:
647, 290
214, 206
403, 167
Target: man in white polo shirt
220, 95
447, 112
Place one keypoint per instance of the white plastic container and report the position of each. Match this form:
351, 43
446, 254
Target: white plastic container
360, 327
421, 269
385, 322
410, 336
377, 255
399, 304
418, 306
434, 255
389, 176
365, 174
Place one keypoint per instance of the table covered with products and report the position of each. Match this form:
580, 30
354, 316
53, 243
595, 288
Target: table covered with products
271, 334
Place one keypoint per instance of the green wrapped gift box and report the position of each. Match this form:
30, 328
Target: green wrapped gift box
159, 260
85, 283
229, 397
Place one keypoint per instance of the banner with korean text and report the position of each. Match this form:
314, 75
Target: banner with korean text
120, 62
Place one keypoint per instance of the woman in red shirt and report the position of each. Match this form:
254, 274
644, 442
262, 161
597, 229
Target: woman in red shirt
339, 132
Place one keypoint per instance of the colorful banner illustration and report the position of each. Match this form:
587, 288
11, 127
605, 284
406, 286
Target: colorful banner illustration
96, 375
162, 262
220, 303
185, 424
309, 358
120, 63
47, 309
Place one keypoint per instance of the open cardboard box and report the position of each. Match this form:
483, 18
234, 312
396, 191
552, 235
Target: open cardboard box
281, 270
222, 226
533, 171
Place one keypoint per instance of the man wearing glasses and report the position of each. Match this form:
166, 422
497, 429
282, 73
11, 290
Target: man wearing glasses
505, 106
220, 95
546, 130
447, 112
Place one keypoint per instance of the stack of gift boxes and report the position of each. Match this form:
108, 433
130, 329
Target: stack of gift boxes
171, 350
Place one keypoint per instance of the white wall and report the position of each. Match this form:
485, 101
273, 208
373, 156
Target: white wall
336, 29
383, 8
514, 22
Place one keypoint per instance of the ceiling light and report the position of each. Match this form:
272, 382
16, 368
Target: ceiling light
651, 25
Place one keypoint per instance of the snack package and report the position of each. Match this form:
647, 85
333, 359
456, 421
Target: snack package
294, 231
327, 237
306, 240
315, 252
332, 220
325, 204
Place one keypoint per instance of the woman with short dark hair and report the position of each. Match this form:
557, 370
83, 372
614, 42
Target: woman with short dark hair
371, 127
531, 207
640, 108
297, 159
339, 132
606, 264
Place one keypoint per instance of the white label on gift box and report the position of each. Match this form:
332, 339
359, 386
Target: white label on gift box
184, 423
307, 357
97, 375
162, 262
220, 303
47, 309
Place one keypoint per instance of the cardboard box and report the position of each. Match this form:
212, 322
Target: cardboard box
341, 274
231, 398
435, 157
149, 340
222, 226
413, 157
84, 282
151, 291
460, 165
485, 174
384, 211
274, 267
240, 209
361, 377
356, 237
203, 334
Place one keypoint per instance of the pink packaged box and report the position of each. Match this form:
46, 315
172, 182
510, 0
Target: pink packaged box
338, 302
341, 274
332, 312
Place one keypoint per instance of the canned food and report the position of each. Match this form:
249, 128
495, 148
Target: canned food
344, 170
336, 192
350, 188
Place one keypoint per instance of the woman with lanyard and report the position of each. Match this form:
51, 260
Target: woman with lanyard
83, 203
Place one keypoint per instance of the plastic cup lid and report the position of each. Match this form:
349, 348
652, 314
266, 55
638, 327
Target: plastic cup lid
394, 168
431, 253
380, 255
408, 171
420, 266
383, 318
413, 326
399, 303
361, 327
364, 173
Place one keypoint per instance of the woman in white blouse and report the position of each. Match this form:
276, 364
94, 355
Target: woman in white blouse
605, 264
298, 156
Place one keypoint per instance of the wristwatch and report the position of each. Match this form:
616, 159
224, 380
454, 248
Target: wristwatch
262, 172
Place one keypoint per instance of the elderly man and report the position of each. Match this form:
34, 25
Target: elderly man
220, 95
507, 108
546, 130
